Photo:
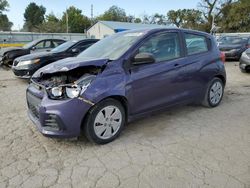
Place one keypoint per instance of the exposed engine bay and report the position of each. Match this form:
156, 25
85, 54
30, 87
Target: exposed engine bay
71, 84
70, 77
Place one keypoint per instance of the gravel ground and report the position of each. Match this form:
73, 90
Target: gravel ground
188, 146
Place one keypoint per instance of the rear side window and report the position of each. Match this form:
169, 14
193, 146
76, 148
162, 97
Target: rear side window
196, 44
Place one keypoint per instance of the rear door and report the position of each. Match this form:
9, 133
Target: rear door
198, 57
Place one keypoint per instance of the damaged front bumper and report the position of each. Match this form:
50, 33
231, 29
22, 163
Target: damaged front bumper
56, 118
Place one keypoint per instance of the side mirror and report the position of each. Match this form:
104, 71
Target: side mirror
75, 50
33, 48
143, 58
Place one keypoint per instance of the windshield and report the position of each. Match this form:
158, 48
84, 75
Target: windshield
63, 47
30, 44
113, 46
232, 40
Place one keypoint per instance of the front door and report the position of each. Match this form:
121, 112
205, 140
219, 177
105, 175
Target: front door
161, 83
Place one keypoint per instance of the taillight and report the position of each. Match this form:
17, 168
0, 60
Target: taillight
223, 57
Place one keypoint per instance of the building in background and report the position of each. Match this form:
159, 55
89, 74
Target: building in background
105, 28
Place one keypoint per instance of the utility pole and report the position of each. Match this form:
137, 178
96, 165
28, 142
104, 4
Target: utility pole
92, 15
67, 20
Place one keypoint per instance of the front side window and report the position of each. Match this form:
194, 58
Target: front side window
40, 45
63, 47
163, 47
83, 46
57, 42
195, 44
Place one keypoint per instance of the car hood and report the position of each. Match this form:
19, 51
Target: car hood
34, 56
68, 64
4, 50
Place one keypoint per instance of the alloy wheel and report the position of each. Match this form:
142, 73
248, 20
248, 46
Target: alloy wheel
216, 92
107, 122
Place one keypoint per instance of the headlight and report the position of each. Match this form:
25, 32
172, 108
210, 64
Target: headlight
71, 91
57, 91
29, 62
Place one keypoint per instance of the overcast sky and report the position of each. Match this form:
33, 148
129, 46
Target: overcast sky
133, 7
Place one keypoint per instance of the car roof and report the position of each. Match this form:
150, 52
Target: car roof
84, 40
168, 29
37, 40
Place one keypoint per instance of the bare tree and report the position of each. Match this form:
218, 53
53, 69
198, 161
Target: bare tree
212, 9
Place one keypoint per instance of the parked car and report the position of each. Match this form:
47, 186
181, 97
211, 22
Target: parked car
245, 61
233, 46
7, 55
124, 77
25, 66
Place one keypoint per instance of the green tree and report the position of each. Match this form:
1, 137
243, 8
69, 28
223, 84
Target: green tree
3, 6
176, 17
77, 22
137, 20
154, 19
34, 16
186, 18
52, 24
114, 13
158, 19
5, 24
235, 17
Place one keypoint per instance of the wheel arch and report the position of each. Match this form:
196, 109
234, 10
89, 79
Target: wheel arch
223, 79
122, 99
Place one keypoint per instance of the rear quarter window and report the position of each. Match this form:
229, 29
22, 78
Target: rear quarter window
195, 44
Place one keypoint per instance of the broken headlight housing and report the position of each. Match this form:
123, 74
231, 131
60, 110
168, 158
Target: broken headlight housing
70, 90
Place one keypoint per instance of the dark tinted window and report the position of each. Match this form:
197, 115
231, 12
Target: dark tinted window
164, 47
196, 44
65, 46
83, 46
58, 42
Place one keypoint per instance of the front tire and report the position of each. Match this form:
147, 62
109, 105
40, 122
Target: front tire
105, 121
214, 93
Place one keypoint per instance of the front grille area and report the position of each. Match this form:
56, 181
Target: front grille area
33, 104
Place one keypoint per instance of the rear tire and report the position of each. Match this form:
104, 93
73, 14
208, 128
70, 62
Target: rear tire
105, 121
214, 93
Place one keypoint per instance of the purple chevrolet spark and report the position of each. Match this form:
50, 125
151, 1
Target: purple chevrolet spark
124, 77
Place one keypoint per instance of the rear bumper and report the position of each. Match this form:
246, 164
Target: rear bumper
56, 118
